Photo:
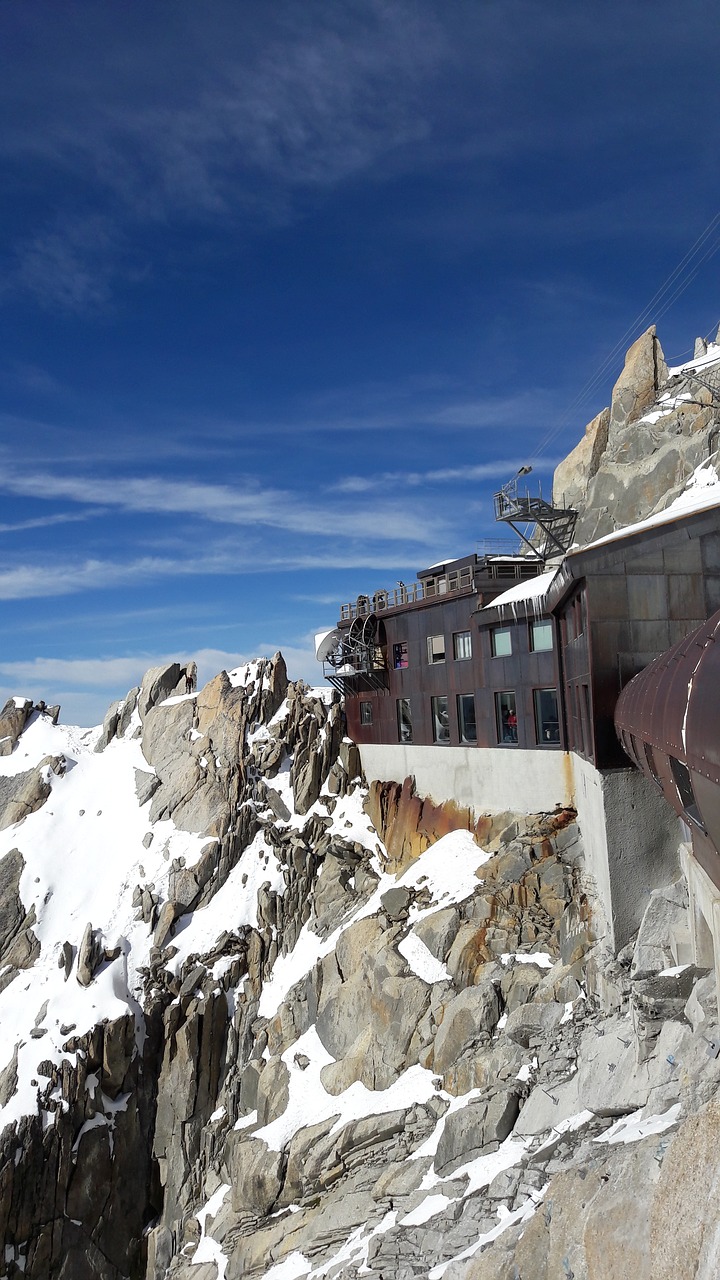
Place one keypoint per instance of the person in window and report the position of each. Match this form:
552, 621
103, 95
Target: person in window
511, 726
552, 729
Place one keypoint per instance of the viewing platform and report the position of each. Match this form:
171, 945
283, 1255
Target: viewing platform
493, 564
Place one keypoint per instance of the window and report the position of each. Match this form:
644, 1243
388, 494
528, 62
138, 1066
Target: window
506, 717
586, 718
547, 725
366, 712
467, 727
501, 642
575, 620
440, 719
683, 782
436, 648
400, 655
541, 636
652, 766
462, 645
404, 720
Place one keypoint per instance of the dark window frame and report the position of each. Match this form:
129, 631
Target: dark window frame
462, 721
465, 636
494, 633
541, 738
434, 661
404, 721
545, 623
507, 732
440, 729
400, 651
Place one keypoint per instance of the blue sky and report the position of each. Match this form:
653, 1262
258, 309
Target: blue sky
288, 289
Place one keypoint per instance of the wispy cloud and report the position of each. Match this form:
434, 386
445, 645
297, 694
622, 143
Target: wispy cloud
27, 581
70, 264
443, 475
303, 98
401, 409
250, 118
222, 504
47, 522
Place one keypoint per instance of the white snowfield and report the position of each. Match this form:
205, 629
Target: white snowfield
83, 856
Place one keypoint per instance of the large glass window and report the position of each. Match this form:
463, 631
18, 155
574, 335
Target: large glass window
467, 726
547, 725
400, 655
462, 645
404, 720
501, 642
440, 719
366, 713
541, 636
436, 648
506, 716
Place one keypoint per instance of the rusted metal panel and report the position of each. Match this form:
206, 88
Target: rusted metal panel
671, 712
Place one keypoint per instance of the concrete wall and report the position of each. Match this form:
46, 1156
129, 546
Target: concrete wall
484, 779
630, 834
704, 902
630, 837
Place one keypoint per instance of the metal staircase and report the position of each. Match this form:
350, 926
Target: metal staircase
554, 527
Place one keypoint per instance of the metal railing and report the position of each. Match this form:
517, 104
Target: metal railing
411, 593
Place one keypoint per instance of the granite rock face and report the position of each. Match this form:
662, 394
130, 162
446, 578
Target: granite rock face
637, 455
317, 1040
24, 793
13, 718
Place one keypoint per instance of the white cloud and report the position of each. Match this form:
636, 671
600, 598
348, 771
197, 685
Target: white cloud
444, 475
70, 263
46, 522
30, 581
253, 506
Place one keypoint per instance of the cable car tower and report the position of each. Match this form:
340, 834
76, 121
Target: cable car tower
554, 526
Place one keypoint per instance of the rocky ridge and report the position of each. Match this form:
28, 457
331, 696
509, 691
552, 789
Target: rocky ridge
638, 454
290, 1041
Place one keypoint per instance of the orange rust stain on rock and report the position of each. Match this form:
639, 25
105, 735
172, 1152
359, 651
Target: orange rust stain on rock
407, 824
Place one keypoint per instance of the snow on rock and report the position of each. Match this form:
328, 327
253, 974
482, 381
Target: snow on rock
701, 493
636, 1126
421, 960
259, 1021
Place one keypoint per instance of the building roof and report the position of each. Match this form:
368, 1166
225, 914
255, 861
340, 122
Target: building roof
529, 589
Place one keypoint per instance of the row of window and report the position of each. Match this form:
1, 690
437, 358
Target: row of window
541, 640
540, 636
462, 649
547, 725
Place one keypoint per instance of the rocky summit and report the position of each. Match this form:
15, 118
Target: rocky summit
261, 1022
